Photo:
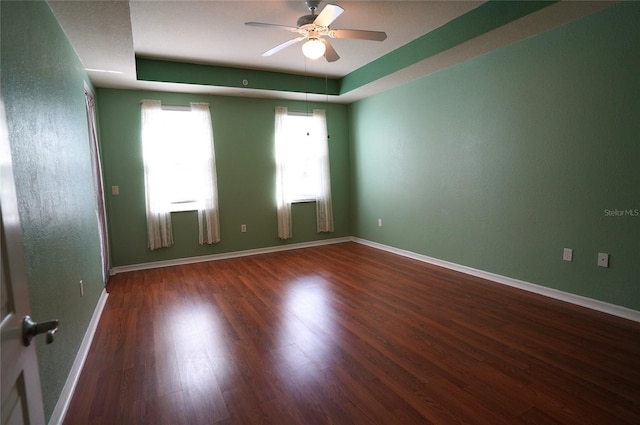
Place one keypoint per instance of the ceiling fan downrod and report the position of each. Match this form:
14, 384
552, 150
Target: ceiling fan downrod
312, 5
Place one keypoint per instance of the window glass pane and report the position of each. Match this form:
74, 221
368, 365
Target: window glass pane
303, 168
179, 154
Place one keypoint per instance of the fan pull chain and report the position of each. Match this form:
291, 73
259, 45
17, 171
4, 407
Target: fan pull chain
326, 92
306, 92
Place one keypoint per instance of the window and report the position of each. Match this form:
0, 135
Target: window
179, 166
302, 164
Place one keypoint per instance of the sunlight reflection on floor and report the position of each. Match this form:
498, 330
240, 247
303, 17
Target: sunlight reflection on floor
308, 321
199, 344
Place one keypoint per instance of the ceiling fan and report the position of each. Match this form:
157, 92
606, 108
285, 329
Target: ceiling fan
314, 28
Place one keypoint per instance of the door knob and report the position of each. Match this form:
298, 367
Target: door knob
31, 329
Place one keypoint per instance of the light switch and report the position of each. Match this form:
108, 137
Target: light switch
115, 190
567, 254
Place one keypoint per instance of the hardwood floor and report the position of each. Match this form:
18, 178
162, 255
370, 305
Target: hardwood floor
347, 334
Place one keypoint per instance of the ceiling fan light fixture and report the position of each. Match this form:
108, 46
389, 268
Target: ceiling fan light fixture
313, 48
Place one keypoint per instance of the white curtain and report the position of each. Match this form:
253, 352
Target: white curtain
283, 204
159, 233
324, 209
96, 167
208, 217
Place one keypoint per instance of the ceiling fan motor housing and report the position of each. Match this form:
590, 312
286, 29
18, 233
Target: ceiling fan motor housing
306, 20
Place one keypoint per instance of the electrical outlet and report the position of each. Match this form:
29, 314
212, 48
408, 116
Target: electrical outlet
379, 222
243, 228
567, 254
115, 190
81, 288
603, 259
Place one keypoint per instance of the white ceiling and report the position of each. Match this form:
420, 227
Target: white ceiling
107, 35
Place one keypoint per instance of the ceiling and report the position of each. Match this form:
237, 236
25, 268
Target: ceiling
109, 35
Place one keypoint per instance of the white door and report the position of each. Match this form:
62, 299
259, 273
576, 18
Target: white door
20, 393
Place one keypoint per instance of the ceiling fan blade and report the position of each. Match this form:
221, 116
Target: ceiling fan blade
330, 53
283, 46
329, 14
274, 26
359, 34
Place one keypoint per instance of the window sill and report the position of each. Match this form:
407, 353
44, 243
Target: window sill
184, 207
303, 201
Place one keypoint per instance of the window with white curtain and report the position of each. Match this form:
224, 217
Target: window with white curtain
179, 168
302, 165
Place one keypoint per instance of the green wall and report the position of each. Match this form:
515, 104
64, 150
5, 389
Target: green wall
500, 162
243, 131
42, 85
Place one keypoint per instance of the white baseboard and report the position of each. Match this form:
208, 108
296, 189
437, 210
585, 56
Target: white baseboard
59, 412
225, 255
591, 303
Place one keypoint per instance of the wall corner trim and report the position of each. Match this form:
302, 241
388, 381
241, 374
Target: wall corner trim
601, 306
60, 410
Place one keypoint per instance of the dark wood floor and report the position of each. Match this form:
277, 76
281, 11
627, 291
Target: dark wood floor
348, 334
